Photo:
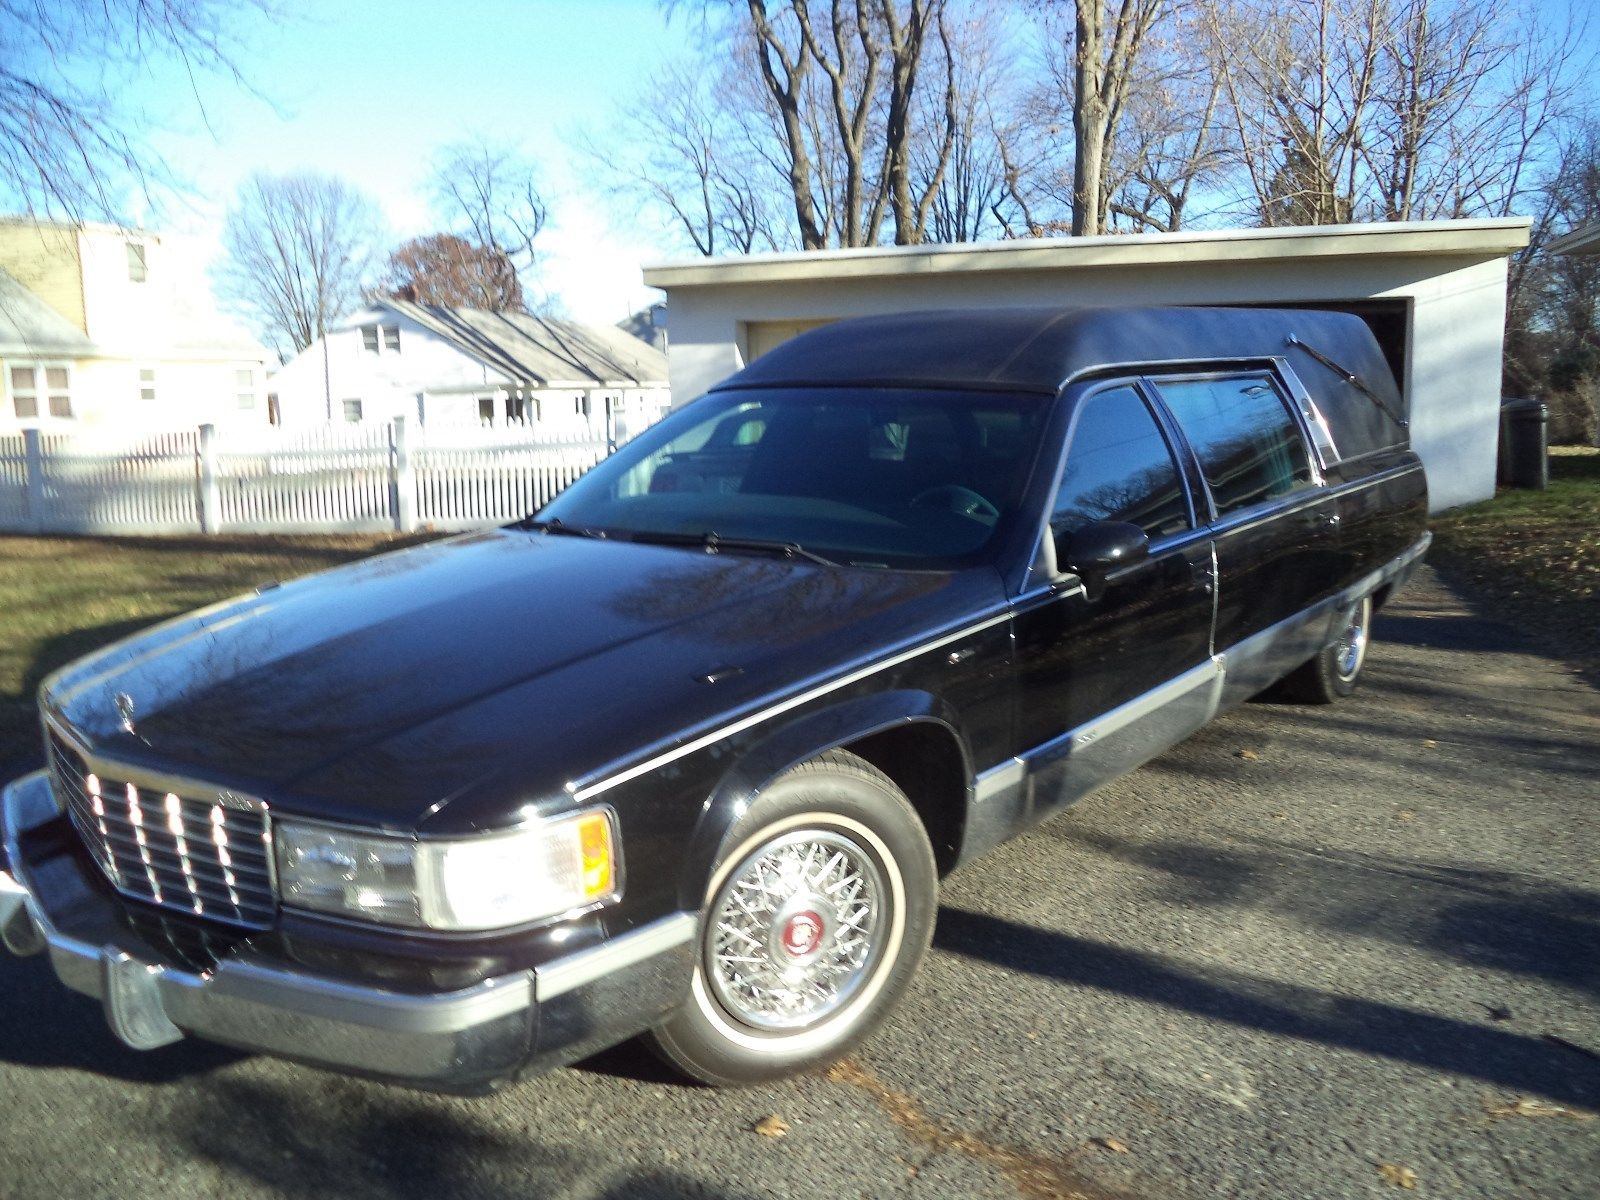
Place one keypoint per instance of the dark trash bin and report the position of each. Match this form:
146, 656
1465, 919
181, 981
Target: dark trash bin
1524, 444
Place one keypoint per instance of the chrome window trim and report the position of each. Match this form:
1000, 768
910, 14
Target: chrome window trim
1297, 418
1044, 547
1326, 453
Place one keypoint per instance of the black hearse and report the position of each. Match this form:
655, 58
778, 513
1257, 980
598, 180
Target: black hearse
686, 753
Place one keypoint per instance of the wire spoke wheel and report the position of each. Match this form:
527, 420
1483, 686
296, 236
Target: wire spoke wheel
1350, 650
796, 930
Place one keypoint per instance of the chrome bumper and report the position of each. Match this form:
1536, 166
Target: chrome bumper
460, 1040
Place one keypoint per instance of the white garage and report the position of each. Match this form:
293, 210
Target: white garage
1433, 292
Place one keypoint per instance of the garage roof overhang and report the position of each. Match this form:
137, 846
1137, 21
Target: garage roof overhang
1585, 240
1470, 239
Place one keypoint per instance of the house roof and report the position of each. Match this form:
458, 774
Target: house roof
541, 350
649, 324
1583, 240
1482, 239
30, 326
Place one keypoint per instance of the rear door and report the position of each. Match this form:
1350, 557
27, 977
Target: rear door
1274, 531
1110, 679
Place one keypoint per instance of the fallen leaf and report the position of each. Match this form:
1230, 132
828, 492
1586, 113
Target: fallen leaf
1405, 814
1401, 1177
1527, 1106
1115, 1145
1430, 743
772, 1126
1247, 755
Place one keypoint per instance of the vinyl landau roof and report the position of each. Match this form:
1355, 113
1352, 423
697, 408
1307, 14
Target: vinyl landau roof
1040, 349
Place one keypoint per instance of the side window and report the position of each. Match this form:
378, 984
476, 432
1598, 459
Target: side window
1119, 468
1248, 444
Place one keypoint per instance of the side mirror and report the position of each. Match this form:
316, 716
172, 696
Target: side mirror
1100, 548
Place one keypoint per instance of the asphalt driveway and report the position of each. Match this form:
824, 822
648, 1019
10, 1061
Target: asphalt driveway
1328, 953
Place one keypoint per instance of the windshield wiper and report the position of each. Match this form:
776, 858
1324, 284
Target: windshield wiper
557, 526
713, 542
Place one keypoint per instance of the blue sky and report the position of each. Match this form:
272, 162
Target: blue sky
369, 91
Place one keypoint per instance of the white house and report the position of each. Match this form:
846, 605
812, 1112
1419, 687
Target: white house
462, 366
104, 326
1433, 292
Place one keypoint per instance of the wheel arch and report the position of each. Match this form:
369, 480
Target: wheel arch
911, 736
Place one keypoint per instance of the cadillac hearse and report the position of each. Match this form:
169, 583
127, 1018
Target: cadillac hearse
686, 753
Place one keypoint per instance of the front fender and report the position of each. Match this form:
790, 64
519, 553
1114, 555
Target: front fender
788, 745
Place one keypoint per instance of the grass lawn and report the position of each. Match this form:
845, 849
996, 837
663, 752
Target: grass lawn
1536, 555
62, 597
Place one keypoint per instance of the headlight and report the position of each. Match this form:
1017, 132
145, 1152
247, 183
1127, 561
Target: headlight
487, 882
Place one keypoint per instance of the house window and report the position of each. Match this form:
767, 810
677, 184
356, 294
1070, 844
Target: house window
581, 405
137, 269
147, 384
352, 411
486, 409
380, 338
28, 400
25, 391
244, 383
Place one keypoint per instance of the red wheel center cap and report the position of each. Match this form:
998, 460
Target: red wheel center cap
802, 933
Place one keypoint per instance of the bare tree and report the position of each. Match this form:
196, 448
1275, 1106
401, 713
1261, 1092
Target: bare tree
966, 184
1168, 142
1345, 110
688, 161
297, 250
1107, 41
492, 196
70, 145
441, 268
840, 85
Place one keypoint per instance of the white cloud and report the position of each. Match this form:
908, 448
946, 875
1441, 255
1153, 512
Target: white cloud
590, 269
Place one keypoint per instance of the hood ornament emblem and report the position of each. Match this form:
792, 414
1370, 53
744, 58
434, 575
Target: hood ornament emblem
124, 706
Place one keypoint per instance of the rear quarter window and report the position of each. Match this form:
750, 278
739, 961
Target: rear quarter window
1249, 445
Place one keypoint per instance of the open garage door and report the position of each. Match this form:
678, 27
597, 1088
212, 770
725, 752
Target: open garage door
761, 336
1389, 321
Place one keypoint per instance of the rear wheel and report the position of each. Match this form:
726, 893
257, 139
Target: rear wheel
815, 920
1334, 673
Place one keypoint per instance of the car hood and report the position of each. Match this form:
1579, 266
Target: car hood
379, 692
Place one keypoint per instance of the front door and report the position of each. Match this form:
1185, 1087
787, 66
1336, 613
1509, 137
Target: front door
1110, 679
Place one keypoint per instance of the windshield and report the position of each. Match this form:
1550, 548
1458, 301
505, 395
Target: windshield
864, 476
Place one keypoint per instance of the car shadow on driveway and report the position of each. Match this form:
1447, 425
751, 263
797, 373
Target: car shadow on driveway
338, 1138
1489, 919
1290, 1010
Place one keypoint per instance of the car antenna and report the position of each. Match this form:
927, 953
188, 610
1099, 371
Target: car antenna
1351, 378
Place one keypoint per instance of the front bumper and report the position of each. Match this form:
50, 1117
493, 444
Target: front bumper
464, 1040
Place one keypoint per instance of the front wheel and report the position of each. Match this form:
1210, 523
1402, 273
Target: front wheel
815, 920
1334, 673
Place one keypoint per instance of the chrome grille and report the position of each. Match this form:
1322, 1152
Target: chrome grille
204, 857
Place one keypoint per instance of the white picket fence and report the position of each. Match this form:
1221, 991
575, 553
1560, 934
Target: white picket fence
332, 479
